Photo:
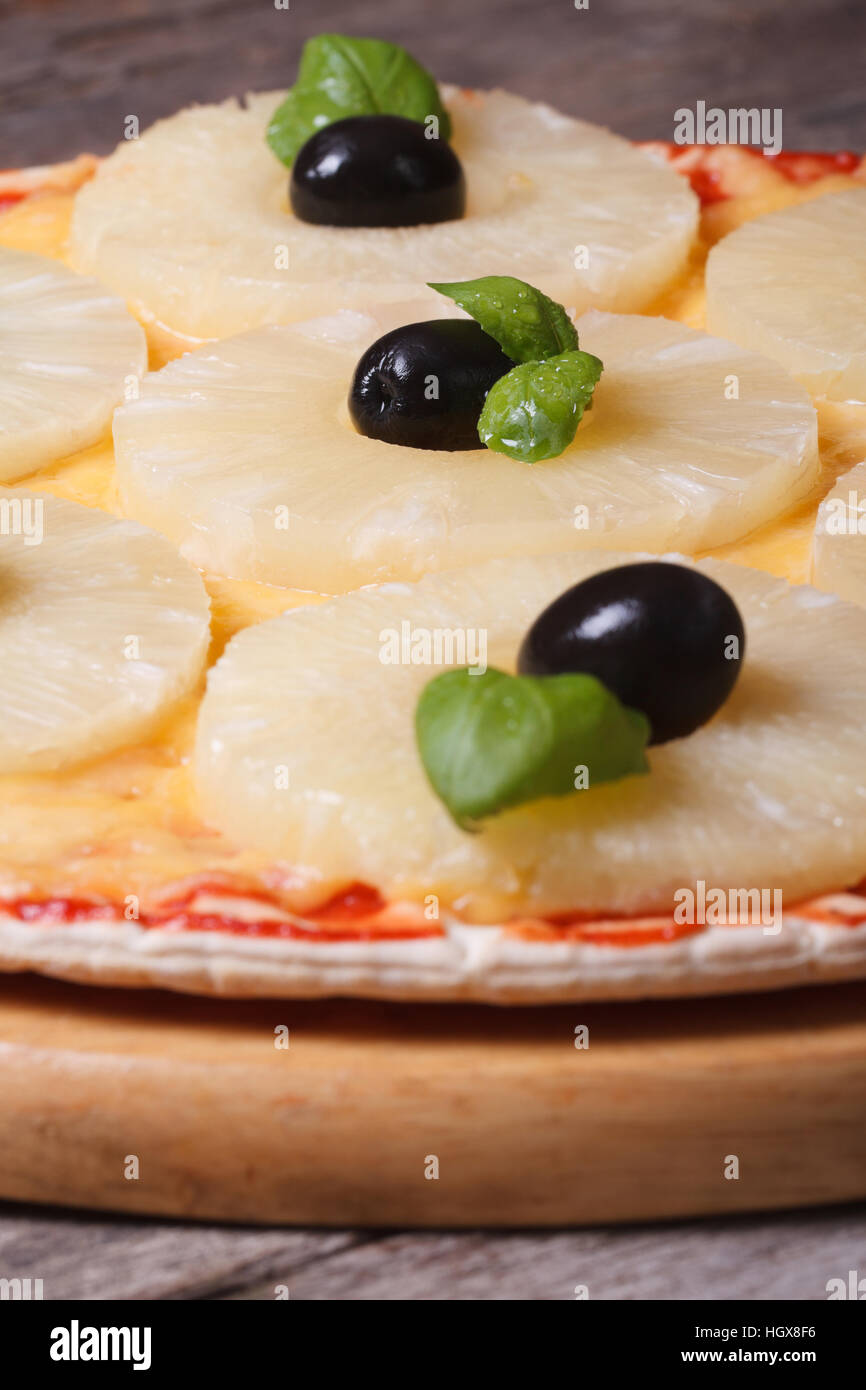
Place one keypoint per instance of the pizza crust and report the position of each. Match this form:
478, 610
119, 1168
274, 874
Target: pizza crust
464, 963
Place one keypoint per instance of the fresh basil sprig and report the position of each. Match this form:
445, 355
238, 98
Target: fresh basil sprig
526, 324
492, 741
340, 76
532, 413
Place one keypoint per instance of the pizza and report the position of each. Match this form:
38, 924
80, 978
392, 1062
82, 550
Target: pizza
227, 604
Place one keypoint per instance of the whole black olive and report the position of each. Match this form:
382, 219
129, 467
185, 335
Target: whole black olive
423, 385
376, 171
666, 639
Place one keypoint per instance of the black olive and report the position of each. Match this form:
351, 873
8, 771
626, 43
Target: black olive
376, 171
423, 385
666, 639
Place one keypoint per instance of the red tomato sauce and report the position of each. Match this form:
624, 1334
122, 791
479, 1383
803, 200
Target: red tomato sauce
359, 913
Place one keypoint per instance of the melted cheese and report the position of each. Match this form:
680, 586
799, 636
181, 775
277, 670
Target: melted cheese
126, 826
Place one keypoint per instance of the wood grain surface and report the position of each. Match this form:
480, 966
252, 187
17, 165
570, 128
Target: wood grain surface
333, 1112
69, 74
73, 69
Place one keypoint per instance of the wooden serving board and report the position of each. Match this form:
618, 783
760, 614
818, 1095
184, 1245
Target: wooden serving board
341, 1127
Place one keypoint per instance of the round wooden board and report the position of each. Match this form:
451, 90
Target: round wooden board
341, 1127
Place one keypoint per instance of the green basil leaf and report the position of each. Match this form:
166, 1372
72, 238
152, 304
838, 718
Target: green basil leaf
340, 76
532, 413
526, 324
491, 741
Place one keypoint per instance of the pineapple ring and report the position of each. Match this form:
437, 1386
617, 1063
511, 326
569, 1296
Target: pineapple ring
192, 223
792, 284
245, 456
68, 349
839, 541
103, 628
305, 748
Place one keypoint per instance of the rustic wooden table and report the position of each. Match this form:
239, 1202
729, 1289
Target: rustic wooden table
71, 72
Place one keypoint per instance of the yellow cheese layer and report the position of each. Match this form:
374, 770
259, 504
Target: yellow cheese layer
127, 824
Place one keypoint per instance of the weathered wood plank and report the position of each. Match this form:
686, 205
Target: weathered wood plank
85, 1256
754, 1258
73, 72
92, 1257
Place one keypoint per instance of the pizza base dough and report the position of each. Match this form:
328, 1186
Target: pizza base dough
466, 963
